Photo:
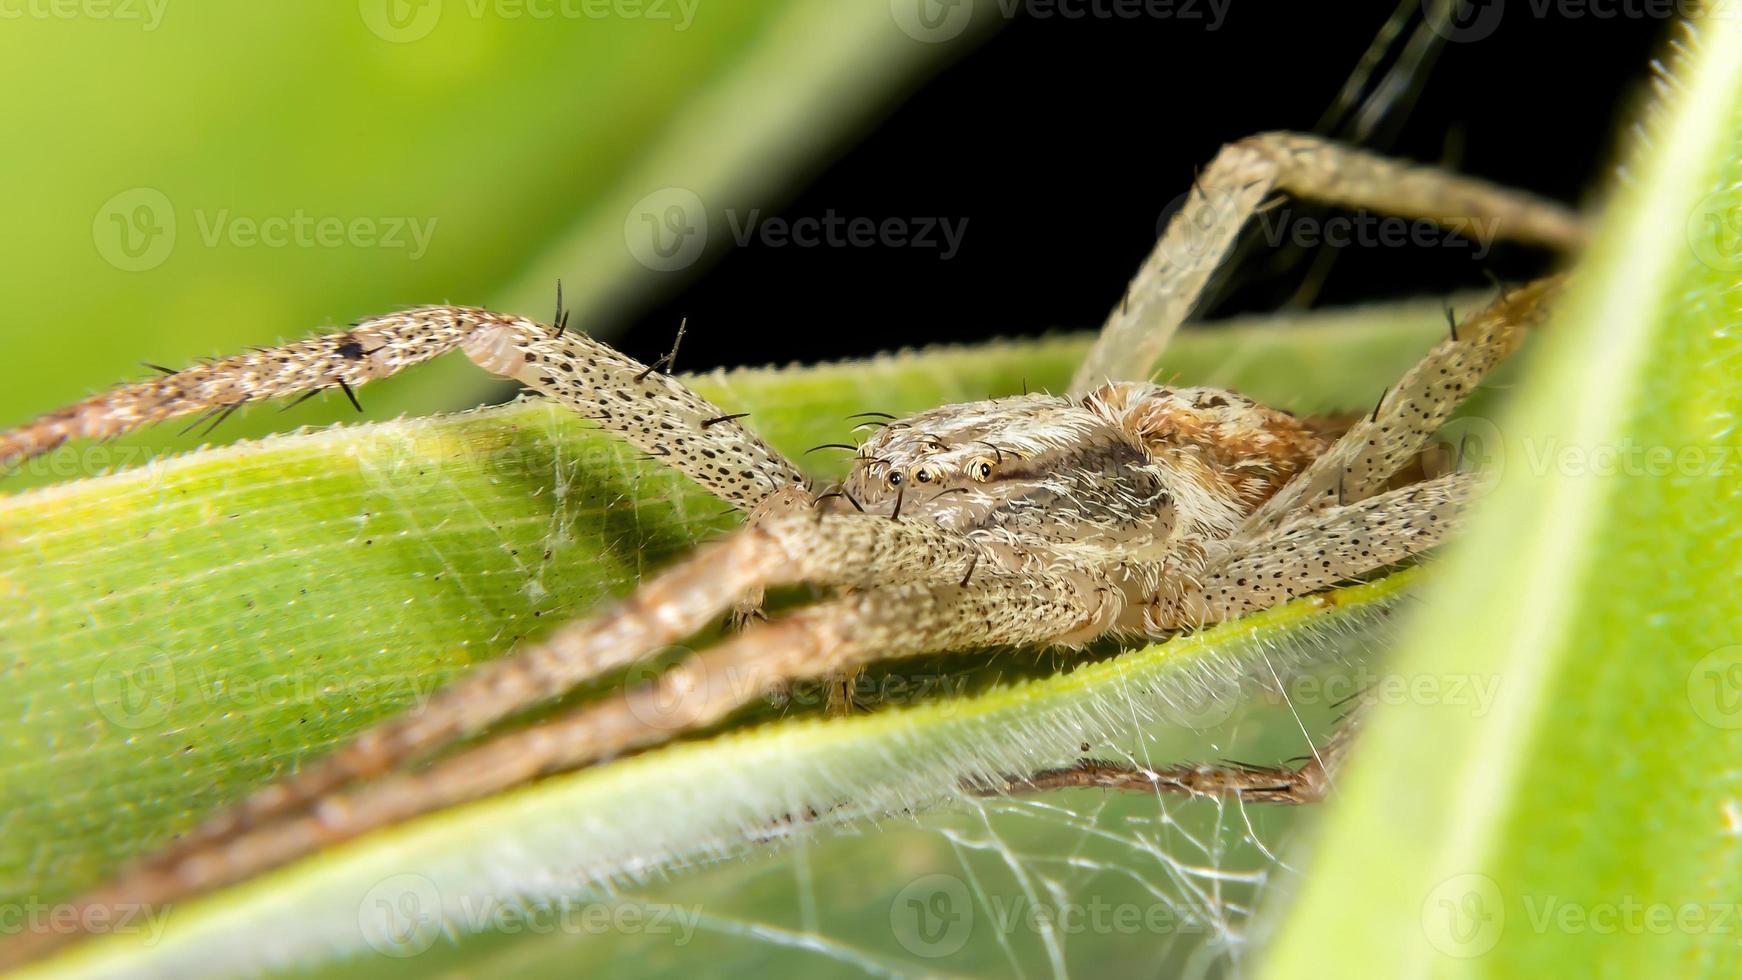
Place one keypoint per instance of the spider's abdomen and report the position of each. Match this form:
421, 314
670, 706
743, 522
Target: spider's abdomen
1242, 449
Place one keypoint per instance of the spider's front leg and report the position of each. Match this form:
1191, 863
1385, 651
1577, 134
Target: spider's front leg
1363, 460
648, 409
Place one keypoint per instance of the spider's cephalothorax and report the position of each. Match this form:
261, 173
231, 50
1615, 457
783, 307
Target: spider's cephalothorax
1130, 466
1131, 479
1035, 521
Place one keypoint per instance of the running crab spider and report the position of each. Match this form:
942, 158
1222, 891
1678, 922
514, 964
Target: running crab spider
1121, 508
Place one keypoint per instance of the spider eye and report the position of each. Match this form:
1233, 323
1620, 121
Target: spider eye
895, 478
927, 474
980, 469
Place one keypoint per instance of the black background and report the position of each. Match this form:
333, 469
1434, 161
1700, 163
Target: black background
1061, 142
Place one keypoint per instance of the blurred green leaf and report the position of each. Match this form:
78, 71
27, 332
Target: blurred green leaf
1589, 824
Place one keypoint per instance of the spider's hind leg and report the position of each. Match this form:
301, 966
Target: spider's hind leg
1364, 459
1236, 185
1303, 781
1312, 553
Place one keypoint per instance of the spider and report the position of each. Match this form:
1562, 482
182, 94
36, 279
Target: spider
1121, 508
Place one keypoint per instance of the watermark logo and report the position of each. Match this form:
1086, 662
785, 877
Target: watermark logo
1464, 916
404, 21
932, 21
134, 231
669, 698
148, 13
1462, 21
401, 916
1715, 688
834, 230
1475, 693
937, 21
667, 230
33, 916
400, 21
299, 229
133, 693
1473, 444
1714, 230
1198, 217
932, 916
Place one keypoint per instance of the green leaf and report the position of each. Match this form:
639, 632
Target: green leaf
1589, 824
181, 632
305, 164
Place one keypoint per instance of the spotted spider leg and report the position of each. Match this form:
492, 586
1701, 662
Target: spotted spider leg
831, 550
1330, 524
1317, 551
1308, 782
1235, 186
1372, 450
956, 596
650, 410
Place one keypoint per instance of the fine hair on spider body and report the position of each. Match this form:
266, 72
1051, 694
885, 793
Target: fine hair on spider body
1121, 507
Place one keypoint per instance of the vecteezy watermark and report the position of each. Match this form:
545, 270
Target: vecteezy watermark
1629, 458
1714, 230
867, 688
673, 690
831, 230
1474, 20
299, 229
1629, 915
403, 21
936, 21
1475, 692
1369, 230
401, 915
932, 916
137, 229
147, 13
1208, 222
669, 228
137, 689
404, 914
64, 918
1464, 916
1715, 688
